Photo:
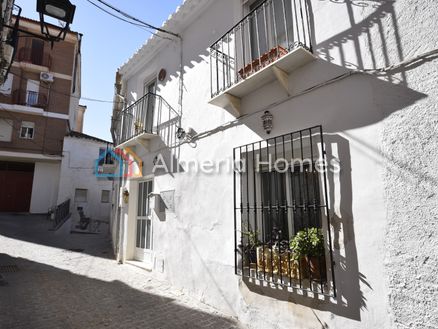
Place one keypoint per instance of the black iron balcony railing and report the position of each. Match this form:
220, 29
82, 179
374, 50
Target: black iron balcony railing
151, 114
26, 55
29, 98
268, 32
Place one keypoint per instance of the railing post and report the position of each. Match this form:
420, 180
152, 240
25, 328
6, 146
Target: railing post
285, 25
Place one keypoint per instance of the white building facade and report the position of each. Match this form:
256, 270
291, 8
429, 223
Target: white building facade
349, 110
80, 181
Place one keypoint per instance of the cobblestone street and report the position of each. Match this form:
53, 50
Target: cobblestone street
49, 282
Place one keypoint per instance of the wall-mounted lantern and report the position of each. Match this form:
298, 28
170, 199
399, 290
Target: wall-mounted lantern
61, 10
267, 119
180, 133
125, 196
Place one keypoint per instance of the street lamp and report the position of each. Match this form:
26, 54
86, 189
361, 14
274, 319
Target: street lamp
62, 10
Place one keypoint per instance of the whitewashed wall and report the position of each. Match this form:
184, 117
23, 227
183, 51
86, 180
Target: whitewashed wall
78, 172
383, 203
45, 187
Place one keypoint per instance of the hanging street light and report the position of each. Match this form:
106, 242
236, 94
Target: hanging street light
62, 10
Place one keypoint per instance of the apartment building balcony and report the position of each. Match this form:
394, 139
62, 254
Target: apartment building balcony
268, 44
30, 98
26, 98
149, 117
34, 60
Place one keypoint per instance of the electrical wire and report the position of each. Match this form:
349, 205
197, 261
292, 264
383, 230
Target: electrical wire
66, 94
118, 17
138, 20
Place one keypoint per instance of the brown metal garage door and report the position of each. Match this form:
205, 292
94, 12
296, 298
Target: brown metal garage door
16, 180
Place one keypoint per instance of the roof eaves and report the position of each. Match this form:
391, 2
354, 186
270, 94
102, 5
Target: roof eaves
76, 134
176, 22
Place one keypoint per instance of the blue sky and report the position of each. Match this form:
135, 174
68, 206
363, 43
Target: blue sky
107, 43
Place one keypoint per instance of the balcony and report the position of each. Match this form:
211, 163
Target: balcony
29, 98
26, 55
266, 45
149, 117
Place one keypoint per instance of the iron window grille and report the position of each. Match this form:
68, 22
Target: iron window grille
280, 195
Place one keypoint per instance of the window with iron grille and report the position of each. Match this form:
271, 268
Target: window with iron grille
282, 222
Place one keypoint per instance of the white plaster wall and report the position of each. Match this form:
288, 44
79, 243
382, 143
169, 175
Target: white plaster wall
78, 172
383, 202
45, 186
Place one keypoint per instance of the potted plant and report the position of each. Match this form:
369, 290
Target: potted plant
273, 257
308, 249
249, 249
138, 126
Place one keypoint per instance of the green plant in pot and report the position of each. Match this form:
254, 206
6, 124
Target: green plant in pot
250, 247
308, 245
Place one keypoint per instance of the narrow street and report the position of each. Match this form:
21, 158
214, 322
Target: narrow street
58, 280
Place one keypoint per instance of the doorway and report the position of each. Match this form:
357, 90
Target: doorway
144, 241
149, 104
16, 180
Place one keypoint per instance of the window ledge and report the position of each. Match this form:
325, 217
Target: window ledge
230, 98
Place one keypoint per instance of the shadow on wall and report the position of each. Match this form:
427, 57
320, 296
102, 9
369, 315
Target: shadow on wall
363, 33
82, 302
354, 102
349, 300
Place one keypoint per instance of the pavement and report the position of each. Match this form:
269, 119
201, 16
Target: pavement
60, 280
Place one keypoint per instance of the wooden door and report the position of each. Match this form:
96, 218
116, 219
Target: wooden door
16, 180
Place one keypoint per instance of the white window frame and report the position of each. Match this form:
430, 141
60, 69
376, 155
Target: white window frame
28, 128
79, 198
108, 197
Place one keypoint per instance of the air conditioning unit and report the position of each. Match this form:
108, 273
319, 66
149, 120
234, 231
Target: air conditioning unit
46, 77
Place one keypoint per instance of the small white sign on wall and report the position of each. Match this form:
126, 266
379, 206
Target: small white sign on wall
168, 198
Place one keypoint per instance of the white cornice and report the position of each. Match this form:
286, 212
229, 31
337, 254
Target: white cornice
28, 156
38, 68
33, 111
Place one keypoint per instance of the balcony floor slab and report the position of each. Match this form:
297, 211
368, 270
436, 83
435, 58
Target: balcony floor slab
230, 98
